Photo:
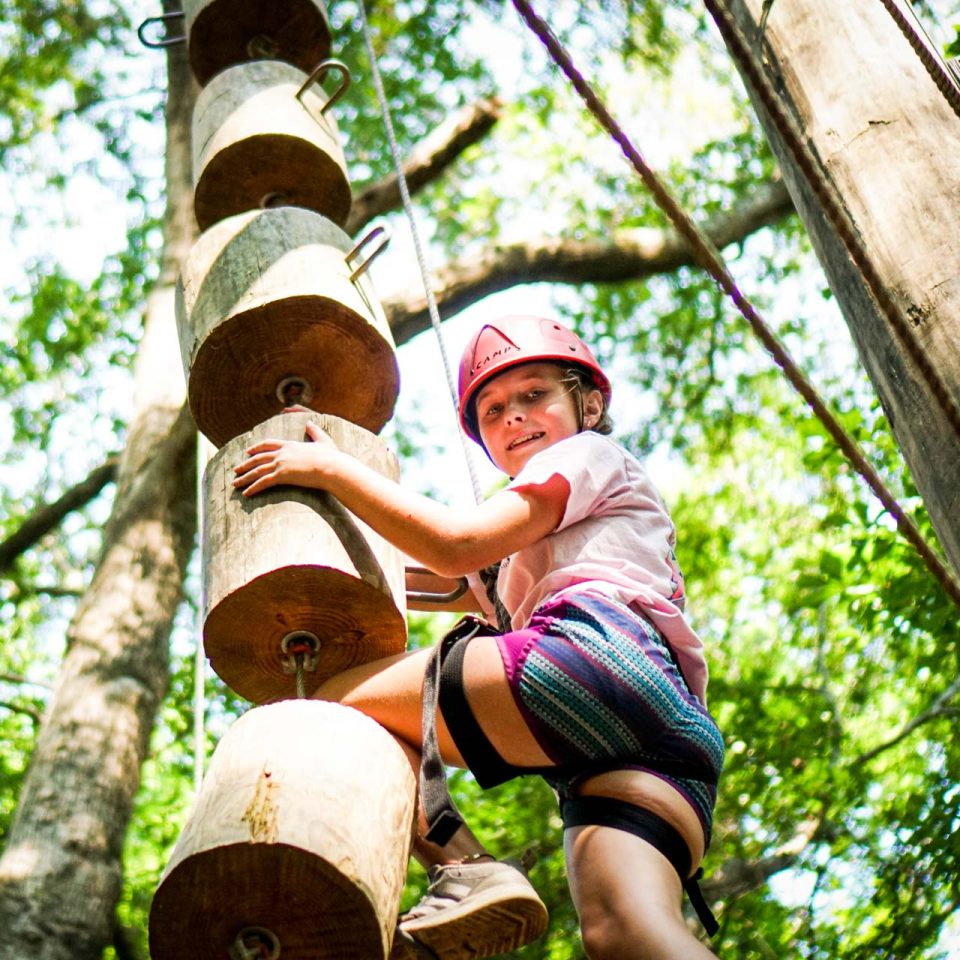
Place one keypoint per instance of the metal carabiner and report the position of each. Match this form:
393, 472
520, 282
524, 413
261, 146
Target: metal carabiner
166, 41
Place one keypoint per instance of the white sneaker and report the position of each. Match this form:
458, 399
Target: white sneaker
471, 910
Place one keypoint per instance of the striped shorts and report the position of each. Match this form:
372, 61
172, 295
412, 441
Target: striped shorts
600, 689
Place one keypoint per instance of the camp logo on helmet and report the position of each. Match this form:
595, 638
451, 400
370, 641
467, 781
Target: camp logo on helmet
490, 357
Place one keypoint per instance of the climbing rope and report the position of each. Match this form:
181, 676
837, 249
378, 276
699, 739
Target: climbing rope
712, 261
941, 75
415, 233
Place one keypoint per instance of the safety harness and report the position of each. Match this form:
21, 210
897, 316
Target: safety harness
443, 687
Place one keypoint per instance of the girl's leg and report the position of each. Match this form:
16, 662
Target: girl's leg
628, 897
475, 906
627, 894
391, 692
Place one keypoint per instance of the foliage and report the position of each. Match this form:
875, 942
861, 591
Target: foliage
826, 638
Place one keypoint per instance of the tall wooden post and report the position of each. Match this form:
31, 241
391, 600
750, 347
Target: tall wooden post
888, 142
298, 843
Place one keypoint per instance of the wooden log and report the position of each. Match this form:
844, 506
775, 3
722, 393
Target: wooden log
889, 142
302, 829
292, 561
256, 144
221, 33
265, 300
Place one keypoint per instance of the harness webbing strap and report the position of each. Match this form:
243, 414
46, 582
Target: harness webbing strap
441, 815
482, 759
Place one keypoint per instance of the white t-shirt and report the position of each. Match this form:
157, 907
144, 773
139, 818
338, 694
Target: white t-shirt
615, 538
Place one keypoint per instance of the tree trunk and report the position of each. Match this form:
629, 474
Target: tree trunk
889, 142
60, 873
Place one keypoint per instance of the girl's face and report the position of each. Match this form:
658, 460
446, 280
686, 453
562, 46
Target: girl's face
528, 408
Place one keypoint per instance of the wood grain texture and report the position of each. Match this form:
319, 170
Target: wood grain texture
255, 141
221, 33
303, 827
292, 559
267, 295
889, 142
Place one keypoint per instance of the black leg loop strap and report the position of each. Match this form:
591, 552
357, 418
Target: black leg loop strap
489, 769
610, 812
442, 817
699, 903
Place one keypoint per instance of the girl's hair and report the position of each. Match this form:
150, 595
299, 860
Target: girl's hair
581, 382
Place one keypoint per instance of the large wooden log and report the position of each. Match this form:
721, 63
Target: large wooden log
302, 830
269, 314
256, 143
889, 143
292, 561
221, 33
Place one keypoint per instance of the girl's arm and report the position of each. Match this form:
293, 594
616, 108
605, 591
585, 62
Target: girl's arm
450, 541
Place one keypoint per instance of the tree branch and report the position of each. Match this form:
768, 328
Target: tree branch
48, 590
30, 712
431, 157
736, 877
939, 708
50, 515
627, 255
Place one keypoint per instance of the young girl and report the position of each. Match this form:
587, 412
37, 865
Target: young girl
596, 683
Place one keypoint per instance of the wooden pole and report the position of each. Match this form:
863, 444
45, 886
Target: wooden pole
889, 145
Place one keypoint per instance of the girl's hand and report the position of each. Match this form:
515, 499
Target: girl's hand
274, 462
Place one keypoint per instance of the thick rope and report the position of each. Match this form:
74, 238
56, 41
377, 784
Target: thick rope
418, 247
941, 75
711, 260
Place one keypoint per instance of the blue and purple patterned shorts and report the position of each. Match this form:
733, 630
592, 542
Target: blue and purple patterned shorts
599, 686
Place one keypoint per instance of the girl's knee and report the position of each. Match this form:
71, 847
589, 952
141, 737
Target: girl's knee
644, 933
602, 930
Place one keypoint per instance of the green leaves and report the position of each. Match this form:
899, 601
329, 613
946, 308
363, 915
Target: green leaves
51, 63
830, 649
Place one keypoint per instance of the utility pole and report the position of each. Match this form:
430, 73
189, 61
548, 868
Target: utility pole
886, 140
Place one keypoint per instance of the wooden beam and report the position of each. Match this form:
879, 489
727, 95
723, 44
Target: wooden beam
888, 143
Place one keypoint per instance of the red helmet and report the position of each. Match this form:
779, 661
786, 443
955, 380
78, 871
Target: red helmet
513, 340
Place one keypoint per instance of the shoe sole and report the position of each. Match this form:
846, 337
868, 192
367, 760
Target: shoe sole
490, 924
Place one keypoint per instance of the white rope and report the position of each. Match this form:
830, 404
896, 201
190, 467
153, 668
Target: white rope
421, 257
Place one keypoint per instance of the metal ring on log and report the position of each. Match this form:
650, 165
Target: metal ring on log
222, 33
255, 943
256, 135
266, 296
302, 828
292, 560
